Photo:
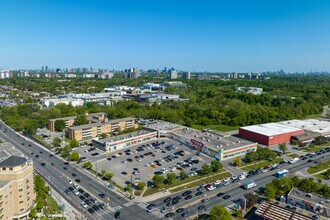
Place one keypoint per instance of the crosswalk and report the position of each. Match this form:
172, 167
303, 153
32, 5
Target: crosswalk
129, 204
155, 212
109, 210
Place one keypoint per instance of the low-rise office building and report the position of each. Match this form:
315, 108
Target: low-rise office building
309, 201
95, 129
125, 140
17, 195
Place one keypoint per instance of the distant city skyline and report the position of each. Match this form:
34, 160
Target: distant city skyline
212, 36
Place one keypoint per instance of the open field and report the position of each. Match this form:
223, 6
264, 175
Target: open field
223, 128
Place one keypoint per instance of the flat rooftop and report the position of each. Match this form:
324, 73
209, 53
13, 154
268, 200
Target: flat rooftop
321, 126
213, 140
7, 150
272, 211
124, 136
315, 198
64, 118
271, 129
115, 121
4, 182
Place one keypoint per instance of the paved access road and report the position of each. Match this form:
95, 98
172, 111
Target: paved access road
234, 190
57, 177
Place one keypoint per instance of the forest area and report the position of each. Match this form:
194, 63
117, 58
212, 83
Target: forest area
213, 102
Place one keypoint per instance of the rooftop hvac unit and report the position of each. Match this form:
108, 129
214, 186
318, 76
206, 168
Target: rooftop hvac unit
219, 138
196, 135
211, 135
208, 140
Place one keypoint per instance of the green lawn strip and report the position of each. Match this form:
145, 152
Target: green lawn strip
319, 167
321, 176
317, 147
150, 190
292, 155
52, 206
207, 180
42, 141
262, 164
218, 127
312, 116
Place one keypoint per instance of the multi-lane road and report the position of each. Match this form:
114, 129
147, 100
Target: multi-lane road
57, 177
234, 190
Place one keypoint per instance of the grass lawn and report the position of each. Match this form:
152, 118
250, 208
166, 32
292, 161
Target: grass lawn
42, 141
52, 207
261, 164
319, 167
207, 180
223, 128
312, 116
150, 191
321, 176
317, 147
292, 155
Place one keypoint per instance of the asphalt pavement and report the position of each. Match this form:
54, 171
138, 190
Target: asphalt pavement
57, 177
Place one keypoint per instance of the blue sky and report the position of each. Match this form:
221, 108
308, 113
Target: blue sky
226, 36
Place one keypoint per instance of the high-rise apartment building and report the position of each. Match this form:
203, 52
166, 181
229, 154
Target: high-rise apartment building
17, 195
174, 74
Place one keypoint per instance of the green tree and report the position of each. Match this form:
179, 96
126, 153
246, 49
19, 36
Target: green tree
183, 174
40, 202
327, 174
103, 172
251, 199
88, 165
33, 213
59, 125
103, 135
219, 212
65, 152
108, 176
215, 166
320, 140
237, 161
141, 185
171, 177
57, 142
74, 143
205, 169
158, 179
81, 120
270, 191
283, 147
74, 156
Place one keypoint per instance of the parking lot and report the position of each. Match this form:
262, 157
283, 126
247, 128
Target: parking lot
159, 156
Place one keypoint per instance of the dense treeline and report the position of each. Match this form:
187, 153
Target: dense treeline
210, 102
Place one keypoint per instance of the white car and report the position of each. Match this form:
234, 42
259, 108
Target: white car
76, 186
264, 170
234, 177
76, 192
244, 173
241, 177
217, 182
227, 180
70, 182
83, 204
211, 188
173, 169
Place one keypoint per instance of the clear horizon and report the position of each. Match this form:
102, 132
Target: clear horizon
213, 36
